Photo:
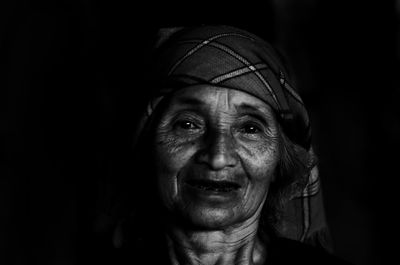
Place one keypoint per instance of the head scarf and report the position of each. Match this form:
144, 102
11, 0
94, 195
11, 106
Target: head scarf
233, 58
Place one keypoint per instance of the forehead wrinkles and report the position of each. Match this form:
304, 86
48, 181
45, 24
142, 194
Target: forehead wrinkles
218, 101
223, 101
223, 108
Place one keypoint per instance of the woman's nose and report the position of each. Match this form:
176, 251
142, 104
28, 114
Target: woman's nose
219, 151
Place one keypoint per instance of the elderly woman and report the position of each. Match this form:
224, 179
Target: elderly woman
223, 146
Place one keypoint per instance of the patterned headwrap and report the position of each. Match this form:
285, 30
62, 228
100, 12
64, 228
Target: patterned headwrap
233, 58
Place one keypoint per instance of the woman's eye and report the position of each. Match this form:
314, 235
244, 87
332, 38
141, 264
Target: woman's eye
251, 129
187, 125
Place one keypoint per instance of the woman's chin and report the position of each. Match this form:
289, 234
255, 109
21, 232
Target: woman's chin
208, 218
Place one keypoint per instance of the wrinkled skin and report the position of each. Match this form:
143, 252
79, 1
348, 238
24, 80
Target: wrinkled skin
216, 150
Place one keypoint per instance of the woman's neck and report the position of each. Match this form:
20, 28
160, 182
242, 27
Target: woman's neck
234, 246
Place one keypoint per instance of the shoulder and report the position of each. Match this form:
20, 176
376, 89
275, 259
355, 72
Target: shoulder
286, 251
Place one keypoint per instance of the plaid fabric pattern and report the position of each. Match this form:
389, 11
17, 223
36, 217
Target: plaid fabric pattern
233, 58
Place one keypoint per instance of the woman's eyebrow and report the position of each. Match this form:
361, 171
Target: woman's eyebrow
260, 113
245, 107
191, 101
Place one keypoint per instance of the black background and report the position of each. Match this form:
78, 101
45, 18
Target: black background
70, 87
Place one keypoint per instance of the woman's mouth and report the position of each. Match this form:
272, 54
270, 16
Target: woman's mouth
213, 186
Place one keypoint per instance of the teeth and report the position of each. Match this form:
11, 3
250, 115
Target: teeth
218, 189
222, 186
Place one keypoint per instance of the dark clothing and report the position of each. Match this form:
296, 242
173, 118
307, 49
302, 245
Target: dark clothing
286, 251
281, 251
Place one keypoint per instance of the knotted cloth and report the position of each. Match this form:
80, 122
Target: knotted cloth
233, 58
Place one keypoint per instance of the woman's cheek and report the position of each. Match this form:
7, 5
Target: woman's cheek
259, 159
176, 156
173, 157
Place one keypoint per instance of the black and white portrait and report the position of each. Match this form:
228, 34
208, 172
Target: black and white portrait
250, 133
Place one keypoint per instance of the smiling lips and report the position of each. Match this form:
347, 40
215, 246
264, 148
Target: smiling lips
214, 186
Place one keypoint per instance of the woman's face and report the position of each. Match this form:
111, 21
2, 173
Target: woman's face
215, 151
